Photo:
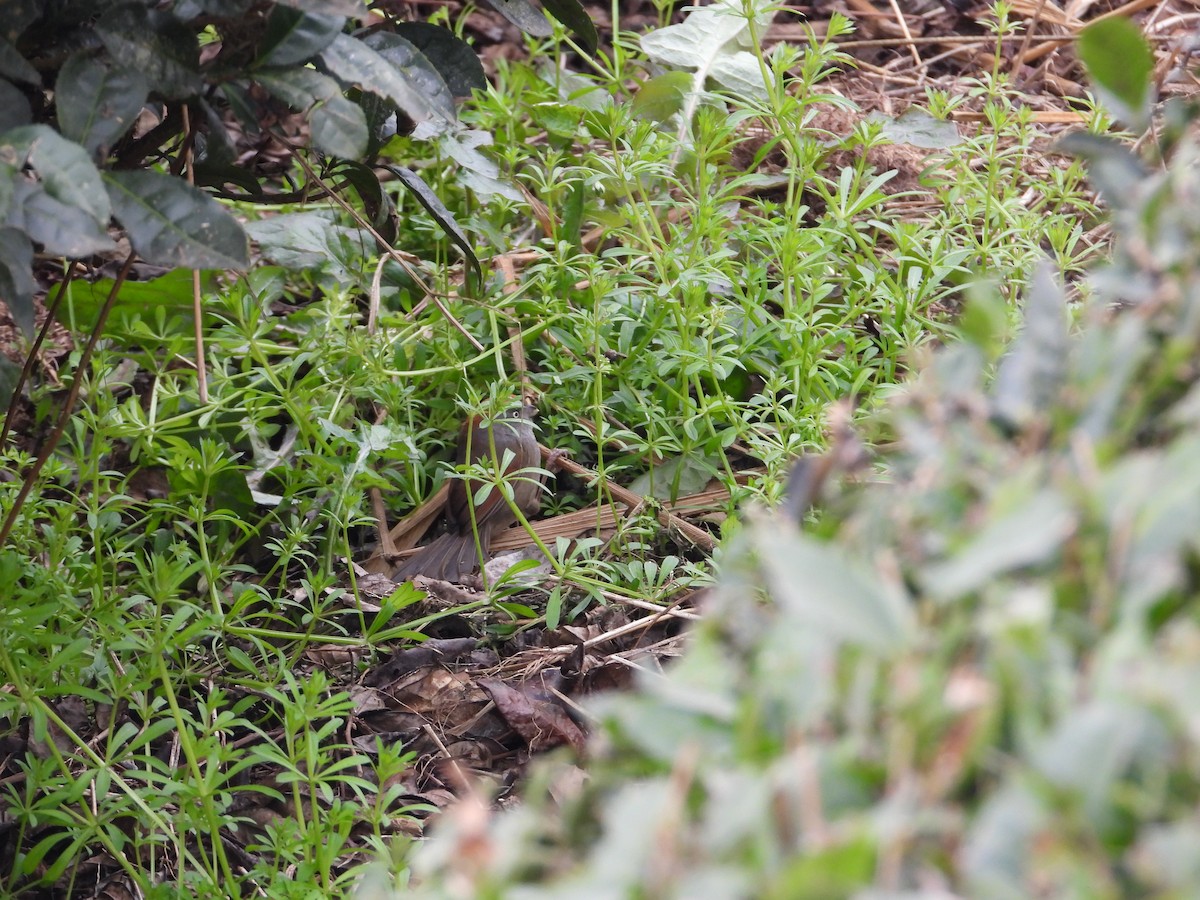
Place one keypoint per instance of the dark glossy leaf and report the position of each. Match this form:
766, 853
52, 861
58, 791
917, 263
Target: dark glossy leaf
377, 203
10, 374
218, 176
339, 126
158, 45
1121, 65
171, 223
218, 7
354, 8
61, 228
214, 147
63, 168
453, 57
1031, 374
14, 108
572, 14
97, 102
16, 277
441, 215
15, 67
354, 63
17, 15
526, 15
417, 71
294, 36
241, 105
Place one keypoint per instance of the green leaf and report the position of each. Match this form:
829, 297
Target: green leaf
440, 213
353, 62
14, 108
830, 593
171, 292
16, 277
339, 127
712, 41
572, 14
917, 127
1121, 65
662, 96
1032, 534
310, 240
453, 57
479, 173
163, 49
294, 36
97, 102
171, 223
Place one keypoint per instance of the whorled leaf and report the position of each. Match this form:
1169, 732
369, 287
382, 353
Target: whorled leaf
171, 223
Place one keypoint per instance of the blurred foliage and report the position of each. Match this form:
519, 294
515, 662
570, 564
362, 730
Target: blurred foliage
976, 673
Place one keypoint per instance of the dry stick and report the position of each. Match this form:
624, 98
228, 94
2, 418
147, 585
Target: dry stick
30, 357
912, 48
697, 536
1125, 10
68, 403
1034, 21
197, 306
946, 39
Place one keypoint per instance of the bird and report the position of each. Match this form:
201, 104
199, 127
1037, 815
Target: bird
453, 555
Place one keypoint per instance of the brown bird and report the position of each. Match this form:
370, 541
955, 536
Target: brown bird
453, 556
